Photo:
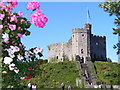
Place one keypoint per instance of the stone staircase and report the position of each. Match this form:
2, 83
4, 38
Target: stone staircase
85, 71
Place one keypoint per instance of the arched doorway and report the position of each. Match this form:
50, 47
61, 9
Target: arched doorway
77, 58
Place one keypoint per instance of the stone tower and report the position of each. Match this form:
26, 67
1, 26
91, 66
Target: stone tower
81, 41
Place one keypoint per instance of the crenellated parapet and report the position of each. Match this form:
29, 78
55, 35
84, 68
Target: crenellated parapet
99, 37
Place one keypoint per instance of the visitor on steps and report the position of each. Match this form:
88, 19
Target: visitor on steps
34, 86
63, 86
30, 86
69, 87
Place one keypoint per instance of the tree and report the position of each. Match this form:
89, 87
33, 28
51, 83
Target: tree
113, 8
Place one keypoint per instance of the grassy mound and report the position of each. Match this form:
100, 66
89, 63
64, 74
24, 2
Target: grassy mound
107, 72
53, 74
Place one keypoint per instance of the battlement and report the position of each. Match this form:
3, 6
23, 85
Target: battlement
97, 36
87, 28
78, 30
55, 44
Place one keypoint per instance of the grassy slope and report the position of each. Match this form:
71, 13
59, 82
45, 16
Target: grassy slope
107, 72
53, 74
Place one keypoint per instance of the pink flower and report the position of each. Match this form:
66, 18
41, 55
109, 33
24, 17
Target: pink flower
1, 16
33, 5
20, 13
39, 19
13, 18
12, 27
1, 26
20, 45
22, 20
9, 7
6, 42
20, 35
13, 2
19, 28
2, 5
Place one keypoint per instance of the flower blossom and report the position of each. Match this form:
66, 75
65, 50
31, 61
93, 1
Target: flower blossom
12, 27
22, 78
20, 57
38, 50
27, 54
2, 5
22, 20
20, 35
11, 55
39, 19
11, 66
13, 2
14, 18
20, 13
30, 76
1, 26
5, 37
13, 49
6, 42
7, 60
1, 16
16, 71
30, 68
8, 8
33, 5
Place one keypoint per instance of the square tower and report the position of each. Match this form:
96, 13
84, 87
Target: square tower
81, 42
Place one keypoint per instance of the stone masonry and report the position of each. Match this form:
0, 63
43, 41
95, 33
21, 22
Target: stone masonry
82, 43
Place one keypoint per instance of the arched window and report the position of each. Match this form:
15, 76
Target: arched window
96, 43
73, 35
81, 51
57, 57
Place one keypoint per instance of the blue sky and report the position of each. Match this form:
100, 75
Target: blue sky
63, 17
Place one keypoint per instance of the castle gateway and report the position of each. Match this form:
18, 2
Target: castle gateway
82, 45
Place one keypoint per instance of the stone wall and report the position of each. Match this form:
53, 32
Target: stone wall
59, 50
98, 47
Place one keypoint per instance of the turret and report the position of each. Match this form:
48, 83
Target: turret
88, 27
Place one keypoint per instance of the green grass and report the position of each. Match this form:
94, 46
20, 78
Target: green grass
53, 74
107, 72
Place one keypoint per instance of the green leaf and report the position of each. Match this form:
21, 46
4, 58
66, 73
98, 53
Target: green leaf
40, 54
28, 25
7, 30
27, 32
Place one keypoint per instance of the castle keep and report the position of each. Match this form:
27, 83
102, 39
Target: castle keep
82, 44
